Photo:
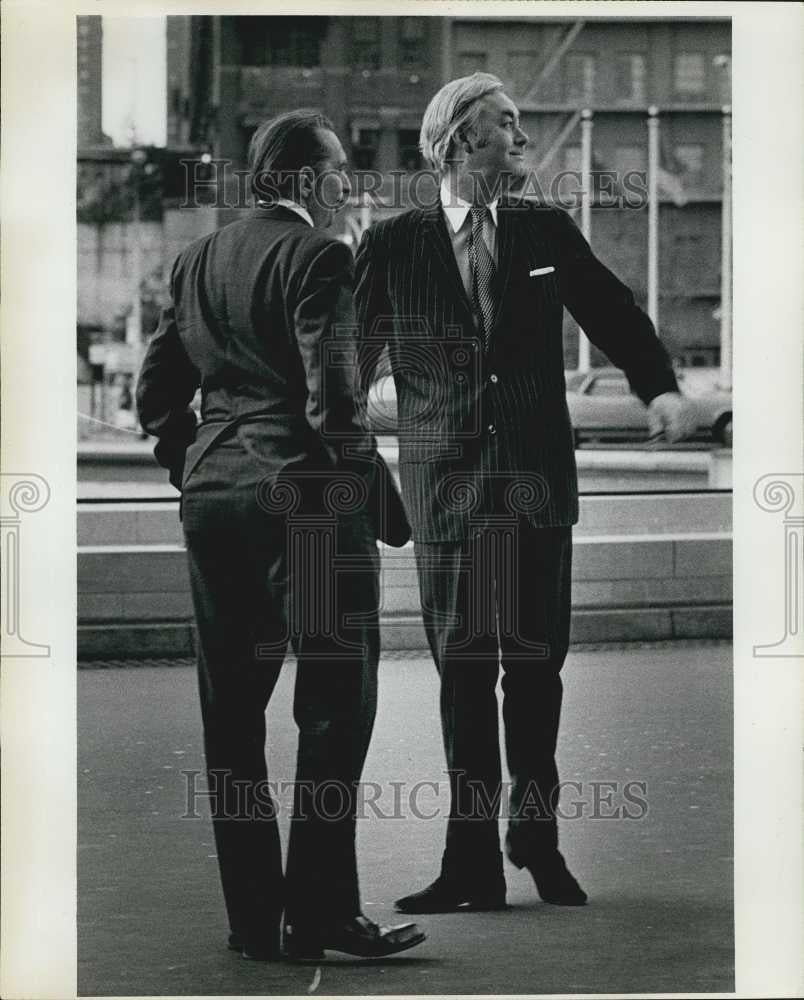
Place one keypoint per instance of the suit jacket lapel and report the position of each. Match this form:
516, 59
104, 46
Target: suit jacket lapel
437, 239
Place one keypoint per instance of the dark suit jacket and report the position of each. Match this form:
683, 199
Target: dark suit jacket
262, 320
472, 423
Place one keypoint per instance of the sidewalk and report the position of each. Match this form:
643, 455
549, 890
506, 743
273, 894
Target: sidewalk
151, 918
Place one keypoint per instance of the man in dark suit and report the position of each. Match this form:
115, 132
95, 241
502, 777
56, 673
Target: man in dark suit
283, 498
468, 296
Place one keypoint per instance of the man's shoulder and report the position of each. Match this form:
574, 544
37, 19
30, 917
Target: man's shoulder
536, 211
302, 241
295, 234
397, 227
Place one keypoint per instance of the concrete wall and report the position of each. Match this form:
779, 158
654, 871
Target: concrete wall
645, 567
106, 278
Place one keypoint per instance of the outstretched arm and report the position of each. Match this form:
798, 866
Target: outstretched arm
605, 308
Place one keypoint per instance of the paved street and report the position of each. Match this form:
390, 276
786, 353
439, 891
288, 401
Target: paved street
151, 918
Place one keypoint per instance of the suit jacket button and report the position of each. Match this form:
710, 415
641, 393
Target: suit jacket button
492, 429
493, 379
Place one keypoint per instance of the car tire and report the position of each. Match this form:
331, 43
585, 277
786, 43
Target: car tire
723, 430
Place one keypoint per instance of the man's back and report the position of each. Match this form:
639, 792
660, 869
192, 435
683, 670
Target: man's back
255, 302
257, 307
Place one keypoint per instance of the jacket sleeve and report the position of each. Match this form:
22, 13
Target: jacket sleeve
606, 311
324, 323
166, 385
373, 311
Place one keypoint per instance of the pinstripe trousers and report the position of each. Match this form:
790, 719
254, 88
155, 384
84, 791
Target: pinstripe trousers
248, 599
500, 596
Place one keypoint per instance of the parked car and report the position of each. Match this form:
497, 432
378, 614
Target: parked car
602, 406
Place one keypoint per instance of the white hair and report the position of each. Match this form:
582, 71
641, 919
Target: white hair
454, 107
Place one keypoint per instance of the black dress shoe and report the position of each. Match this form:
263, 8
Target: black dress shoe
356, 936
447, 895
554, 881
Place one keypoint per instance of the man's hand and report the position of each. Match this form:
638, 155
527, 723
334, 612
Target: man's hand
673, 415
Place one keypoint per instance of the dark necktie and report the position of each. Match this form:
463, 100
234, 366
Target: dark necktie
482, 270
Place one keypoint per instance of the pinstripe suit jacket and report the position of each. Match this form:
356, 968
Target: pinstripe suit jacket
488, 432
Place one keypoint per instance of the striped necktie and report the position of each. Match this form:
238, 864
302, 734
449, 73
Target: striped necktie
482, 269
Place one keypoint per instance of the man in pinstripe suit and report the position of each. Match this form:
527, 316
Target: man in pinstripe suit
468, 296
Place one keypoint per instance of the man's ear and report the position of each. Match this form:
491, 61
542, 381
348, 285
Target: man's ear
464, 140
306, 182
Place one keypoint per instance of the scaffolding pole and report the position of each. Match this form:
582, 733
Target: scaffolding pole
584, 361
554, 57
559, 141
653, 215
725, 259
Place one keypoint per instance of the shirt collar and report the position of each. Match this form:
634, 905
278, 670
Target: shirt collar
294, 206
456, 209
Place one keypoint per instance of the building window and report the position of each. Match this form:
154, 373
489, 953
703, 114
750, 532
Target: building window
365, 143
572, 159
281, 41
411, 42
700, 357
628, 159
610, 385
366, 42
471, 62
690, 74
690, 157
409, 155
580, 78
521, 72
689, 263
629, 79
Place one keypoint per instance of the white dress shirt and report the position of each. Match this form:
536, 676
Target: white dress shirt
459, 226
294, 206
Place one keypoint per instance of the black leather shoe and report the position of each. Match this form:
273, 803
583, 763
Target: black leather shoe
357, 936
447, 895
554, 881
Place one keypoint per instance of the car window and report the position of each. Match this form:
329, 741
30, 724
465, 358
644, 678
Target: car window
609, 385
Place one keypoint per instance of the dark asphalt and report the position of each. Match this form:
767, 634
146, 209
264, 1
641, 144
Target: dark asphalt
660, 919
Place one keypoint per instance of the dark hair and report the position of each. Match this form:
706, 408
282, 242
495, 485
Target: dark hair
279, 149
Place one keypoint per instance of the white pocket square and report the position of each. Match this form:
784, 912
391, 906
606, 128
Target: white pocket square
537, 272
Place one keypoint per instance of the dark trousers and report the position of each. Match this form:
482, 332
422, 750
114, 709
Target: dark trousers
503, 595
263, 577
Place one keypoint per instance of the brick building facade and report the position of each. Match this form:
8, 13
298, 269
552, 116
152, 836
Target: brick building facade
373, 76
